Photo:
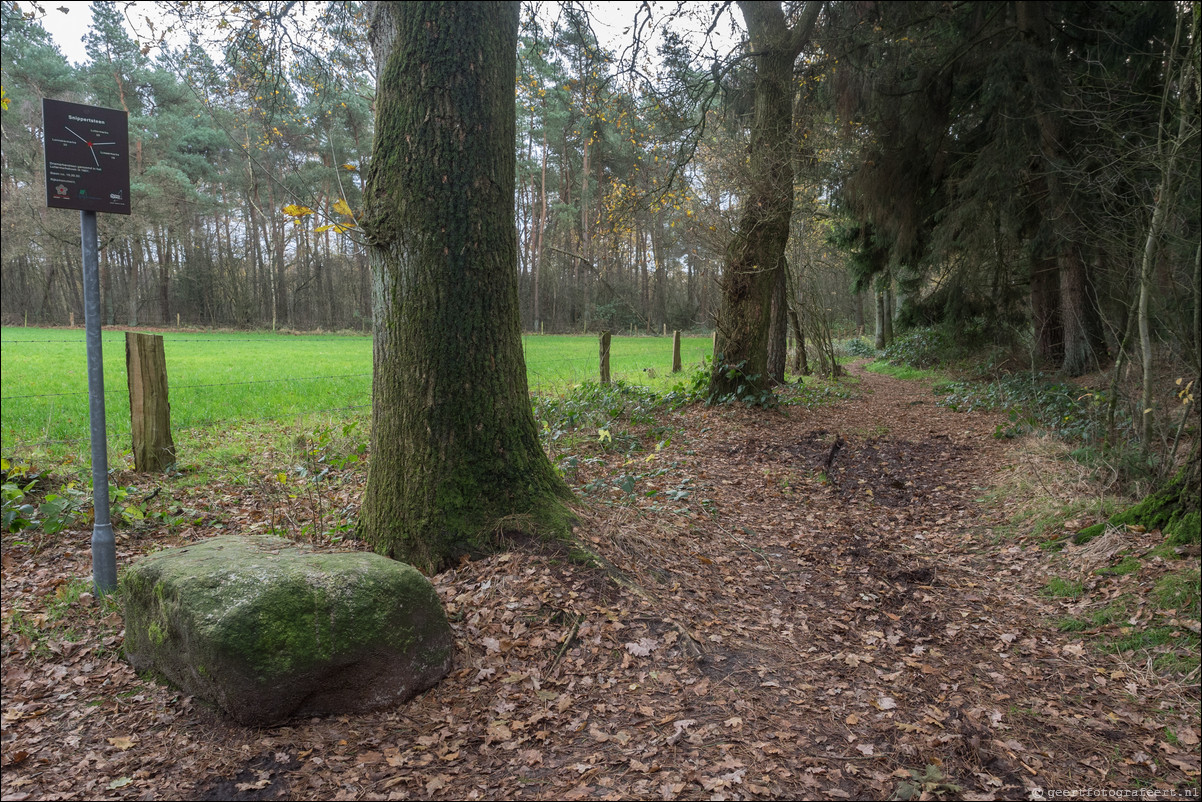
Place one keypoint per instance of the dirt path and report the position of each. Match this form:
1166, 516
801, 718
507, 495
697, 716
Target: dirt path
803, 620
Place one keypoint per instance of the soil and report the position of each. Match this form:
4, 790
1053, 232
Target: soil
814, 604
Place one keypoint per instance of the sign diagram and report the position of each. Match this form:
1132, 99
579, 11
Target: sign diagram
87, 157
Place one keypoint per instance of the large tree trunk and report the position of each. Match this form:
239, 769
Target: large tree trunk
757, 249
456, 459
1045, 310
1084, 343
879, 341
889, 309
778, 329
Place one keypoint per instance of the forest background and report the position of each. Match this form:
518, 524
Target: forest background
992, 166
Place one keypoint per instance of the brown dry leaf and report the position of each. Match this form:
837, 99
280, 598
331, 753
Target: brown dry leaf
916, 586
499, 731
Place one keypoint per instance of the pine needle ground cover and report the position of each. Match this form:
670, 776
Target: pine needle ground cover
216, 378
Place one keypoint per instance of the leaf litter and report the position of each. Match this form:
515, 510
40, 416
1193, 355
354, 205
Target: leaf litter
829, 612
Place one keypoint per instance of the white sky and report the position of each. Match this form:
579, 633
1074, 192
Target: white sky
611, 21
67, 29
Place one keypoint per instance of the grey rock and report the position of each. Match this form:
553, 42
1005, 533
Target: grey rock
265, 629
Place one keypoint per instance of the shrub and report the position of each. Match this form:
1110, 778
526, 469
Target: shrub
858, 346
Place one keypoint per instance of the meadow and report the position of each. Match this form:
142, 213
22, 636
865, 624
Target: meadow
218, 378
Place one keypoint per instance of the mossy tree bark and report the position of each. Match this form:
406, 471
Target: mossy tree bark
778, 326
455, 453
757, 250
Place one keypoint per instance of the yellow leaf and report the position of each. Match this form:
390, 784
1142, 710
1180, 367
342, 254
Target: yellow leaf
349, 167
294, 210
603, 436
341, 207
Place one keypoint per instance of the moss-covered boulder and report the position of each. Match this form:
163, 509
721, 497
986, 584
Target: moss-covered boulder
265, 629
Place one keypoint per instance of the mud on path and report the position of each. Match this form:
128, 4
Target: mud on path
815, 603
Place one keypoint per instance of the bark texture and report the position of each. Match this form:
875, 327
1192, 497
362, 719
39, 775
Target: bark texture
456, 459
1045, 310
778, 327
757, 249
149, 408
1080, 320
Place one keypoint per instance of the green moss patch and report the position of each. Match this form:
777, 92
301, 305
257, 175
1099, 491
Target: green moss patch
263, 628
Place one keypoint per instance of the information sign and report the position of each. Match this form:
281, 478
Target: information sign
87, 157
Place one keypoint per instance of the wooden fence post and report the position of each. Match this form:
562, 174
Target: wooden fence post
149, 410
605, 357
676, 351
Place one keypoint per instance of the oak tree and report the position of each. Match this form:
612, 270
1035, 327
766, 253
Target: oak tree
455, 453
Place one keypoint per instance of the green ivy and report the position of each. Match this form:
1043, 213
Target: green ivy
1034, 402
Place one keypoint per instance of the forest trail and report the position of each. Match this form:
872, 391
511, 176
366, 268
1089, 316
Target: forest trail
795, 621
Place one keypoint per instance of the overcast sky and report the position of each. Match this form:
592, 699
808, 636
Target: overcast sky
610, 20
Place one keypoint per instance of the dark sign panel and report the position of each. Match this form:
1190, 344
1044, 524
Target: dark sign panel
87, 157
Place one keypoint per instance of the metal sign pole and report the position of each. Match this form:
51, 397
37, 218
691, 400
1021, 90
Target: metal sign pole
86, 151
104, 547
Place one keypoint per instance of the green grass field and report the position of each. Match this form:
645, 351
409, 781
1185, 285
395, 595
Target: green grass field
218, 378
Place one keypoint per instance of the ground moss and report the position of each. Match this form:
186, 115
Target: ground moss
1173, 510
1185, 529
1089, 533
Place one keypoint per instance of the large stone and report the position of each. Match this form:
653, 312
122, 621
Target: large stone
264, 629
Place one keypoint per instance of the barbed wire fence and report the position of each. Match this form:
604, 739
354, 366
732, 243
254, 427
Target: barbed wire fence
547, 377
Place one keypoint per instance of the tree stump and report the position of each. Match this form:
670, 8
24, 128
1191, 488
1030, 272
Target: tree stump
149, 410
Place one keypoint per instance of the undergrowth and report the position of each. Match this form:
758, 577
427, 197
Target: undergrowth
595, 425
39, 505
1079, 477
